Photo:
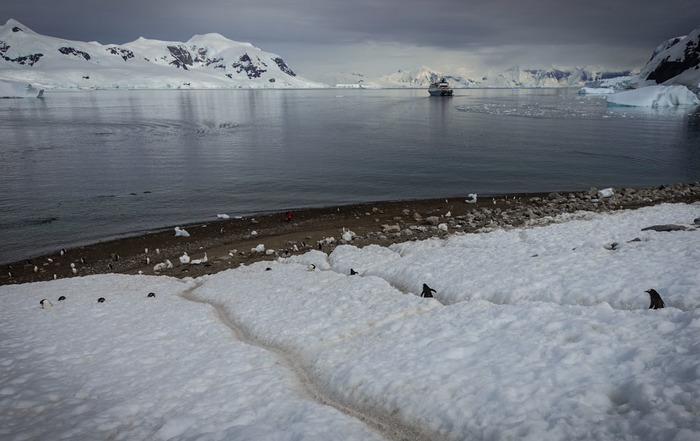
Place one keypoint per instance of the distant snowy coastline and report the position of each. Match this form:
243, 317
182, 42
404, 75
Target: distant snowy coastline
211, 61
203, 62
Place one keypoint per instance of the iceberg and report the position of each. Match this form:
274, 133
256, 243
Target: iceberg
655, 96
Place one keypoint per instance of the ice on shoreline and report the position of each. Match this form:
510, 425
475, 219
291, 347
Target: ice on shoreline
541, 333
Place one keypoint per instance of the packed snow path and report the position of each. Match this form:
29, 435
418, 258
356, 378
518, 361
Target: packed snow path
385, 425
544, 333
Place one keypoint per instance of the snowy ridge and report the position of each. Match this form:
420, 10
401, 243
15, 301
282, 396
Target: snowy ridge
675, 62
204, 61
540, 333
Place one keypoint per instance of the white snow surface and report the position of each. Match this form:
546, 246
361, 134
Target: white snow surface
655, 96
539, 333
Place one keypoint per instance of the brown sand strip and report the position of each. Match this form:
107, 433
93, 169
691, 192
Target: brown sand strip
228, 243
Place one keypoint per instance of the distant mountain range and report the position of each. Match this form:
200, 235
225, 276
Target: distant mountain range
205, 61
674, 62
213, 61
513, 77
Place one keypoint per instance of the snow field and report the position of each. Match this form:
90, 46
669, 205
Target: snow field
539, 333
142, 368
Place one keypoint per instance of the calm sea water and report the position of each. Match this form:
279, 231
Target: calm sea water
79, 167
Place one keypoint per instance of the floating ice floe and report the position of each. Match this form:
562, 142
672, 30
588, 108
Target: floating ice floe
655, 96
471, 198
596, 90
223, 216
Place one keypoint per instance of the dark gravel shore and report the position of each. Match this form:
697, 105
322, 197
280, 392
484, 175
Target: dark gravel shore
230, 243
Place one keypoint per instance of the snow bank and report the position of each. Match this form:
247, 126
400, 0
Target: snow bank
655, 96
541, 333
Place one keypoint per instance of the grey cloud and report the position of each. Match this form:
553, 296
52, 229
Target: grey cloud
491, 28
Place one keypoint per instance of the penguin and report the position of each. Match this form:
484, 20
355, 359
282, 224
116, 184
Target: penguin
45, 304
427, 291
311, 267
656, 301
353, 272
62, 298
151, 294
101, 300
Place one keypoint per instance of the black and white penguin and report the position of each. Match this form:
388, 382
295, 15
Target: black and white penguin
45, 304
62, 298
101, 300
427, 291
656, 300
353, 272
151, 294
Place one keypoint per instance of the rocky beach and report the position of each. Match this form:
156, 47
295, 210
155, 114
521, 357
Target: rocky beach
228, 243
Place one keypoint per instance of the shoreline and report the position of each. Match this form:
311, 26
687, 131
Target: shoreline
229, 243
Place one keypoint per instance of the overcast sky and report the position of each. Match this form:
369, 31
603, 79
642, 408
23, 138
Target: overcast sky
376, 37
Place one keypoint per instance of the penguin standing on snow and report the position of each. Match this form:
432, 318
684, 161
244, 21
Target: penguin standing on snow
427, 291
656, 300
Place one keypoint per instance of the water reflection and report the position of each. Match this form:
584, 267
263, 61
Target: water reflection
110, 162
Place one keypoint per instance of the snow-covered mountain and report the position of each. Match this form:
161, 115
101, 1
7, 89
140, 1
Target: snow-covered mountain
675, 62
205, 61
513, 77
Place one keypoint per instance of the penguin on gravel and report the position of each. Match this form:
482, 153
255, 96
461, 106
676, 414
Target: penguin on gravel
656, 300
